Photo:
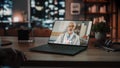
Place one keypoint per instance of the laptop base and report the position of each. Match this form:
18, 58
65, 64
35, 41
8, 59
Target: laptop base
59, 49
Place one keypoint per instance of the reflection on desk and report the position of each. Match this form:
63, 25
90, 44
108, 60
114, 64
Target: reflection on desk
5, 42
90, 57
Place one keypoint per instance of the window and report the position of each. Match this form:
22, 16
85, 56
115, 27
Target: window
45, 12
6, 11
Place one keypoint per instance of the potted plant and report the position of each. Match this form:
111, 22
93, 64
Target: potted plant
100, 29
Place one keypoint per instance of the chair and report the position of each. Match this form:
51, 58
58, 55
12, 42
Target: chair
11, 58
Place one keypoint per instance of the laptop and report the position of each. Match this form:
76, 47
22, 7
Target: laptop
67, 37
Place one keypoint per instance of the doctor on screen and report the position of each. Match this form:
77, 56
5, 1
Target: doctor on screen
69, 37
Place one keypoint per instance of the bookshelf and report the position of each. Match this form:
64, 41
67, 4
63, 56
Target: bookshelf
100, 10
97, 9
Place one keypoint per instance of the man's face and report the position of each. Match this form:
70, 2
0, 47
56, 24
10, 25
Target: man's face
71, 27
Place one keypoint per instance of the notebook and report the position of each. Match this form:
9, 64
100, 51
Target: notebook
67, 37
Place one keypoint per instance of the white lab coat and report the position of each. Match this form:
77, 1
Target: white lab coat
73, 39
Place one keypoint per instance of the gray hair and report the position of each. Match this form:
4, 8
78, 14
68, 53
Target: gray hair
68, 25
72, 23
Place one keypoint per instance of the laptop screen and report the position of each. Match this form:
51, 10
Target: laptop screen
71, 33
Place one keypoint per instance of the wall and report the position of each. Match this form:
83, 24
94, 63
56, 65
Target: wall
118, 20
119, 23
21, 5
68, 15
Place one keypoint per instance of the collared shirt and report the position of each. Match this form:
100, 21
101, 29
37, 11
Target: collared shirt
68, 39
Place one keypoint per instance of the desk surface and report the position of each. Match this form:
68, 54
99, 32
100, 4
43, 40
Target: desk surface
92, 54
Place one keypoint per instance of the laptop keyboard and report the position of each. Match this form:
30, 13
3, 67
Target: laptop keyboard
63, 47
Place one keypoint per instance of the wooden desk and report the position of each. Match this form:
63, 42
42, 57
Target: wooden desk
91, 57
5, 42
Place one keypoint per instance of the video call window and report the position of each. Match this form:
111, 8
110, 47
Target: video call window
6, 11
45, 12
80, 31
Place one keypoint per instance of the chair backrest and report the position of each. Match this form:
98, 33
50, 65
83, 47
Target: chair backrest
11, 57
